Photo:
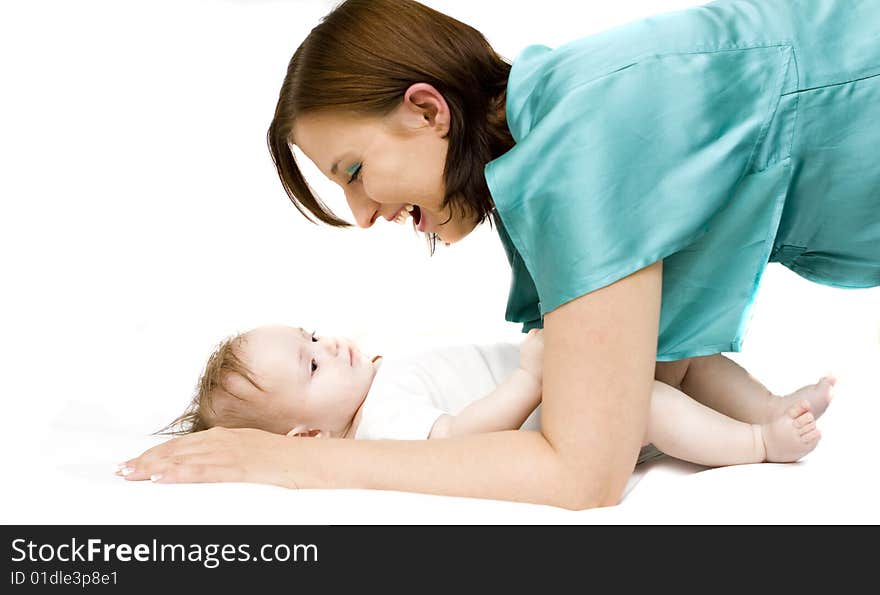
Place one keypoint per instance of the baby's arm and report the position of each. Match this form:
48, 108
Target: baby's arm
509, 405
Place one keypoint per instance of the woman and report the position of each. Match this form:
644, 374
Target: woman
640, 180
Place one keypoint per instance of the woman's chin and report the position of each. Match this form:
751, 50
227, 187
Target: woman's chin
448, 239
452, 236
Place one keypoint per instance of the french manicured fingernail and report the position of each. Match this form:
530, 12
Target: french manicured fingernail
155, 477
127, 471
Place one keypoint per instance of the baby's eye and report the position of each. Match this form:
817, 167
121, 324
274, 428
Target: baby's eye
314, 366
314, 338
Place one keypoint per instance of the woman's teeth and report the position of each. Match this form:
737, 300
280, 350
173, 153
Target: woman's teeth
404, 215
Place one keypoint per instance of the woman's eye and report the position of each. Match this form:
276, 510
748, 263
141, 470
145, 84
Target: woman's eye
314, 366
354, 172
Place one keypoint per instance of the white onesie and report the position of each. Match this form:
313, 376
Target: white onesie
409, 394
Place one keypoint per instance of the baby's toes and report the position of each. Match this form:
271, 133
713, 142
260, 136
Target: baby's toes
812, 436
804, 420
806, 428
798, 409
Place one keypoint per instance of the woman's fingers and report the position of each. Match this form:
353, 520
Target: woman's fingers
148, 468
150, 461
185, 472
218, 454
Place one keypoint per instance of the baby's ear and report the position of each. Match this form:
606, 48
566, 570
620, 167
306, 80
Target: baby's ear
302, 432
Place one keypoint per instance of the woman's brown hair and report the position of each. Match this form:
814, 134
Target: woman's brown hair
362, 58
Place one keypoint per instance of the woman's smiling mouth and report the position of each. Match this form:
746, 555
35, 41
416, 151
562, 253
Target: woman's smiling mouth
401, 216
419, 219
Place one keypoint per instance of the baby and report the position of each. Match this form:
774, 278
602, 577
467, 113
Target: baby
284, 380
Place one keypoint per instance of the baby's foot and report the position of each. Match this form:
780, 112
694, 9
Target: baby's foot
818, 395
791, 435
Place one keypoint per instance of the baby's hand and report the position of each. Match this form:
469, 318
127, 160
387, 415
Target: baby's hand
531, 354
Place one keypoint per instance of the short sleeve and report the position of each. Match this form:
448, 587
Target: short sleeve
612, 172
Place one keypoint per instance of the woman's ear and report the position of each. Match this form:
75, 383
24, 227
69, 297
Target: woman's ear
423, 105
302, 432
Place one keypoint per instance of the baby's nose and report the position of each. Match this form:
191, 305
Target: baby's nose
332, 345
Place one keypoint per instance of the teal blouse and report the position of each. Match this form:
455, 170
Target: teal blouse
717, 139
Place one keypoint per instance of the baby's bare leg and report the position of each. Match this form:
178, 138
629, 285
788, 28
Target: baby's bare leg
683, 428
721, 384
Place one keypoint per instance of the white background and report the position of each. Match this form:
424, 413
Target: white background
142, 222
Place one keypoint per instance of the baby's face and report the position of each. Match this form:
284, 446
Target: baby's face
310, 381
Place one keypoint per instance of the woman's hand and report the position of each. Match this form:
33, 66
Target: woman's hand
215, 455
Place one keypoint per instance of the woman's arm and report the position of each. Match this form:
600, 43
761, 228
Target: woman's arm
598, 373
509, 405
600, 353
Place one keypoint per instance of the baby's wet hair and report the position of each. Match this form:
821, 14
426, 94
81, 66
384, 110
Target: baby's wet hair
213, 403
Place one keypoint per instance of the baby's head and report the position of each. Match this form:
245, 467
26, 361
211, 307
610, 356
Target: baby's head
283, 380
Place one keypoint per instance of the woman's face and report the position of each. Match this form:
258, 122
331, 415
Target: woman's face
387, 164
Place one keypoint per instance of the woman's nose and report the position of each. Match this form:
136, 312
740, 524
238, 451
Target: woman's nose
365, 211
